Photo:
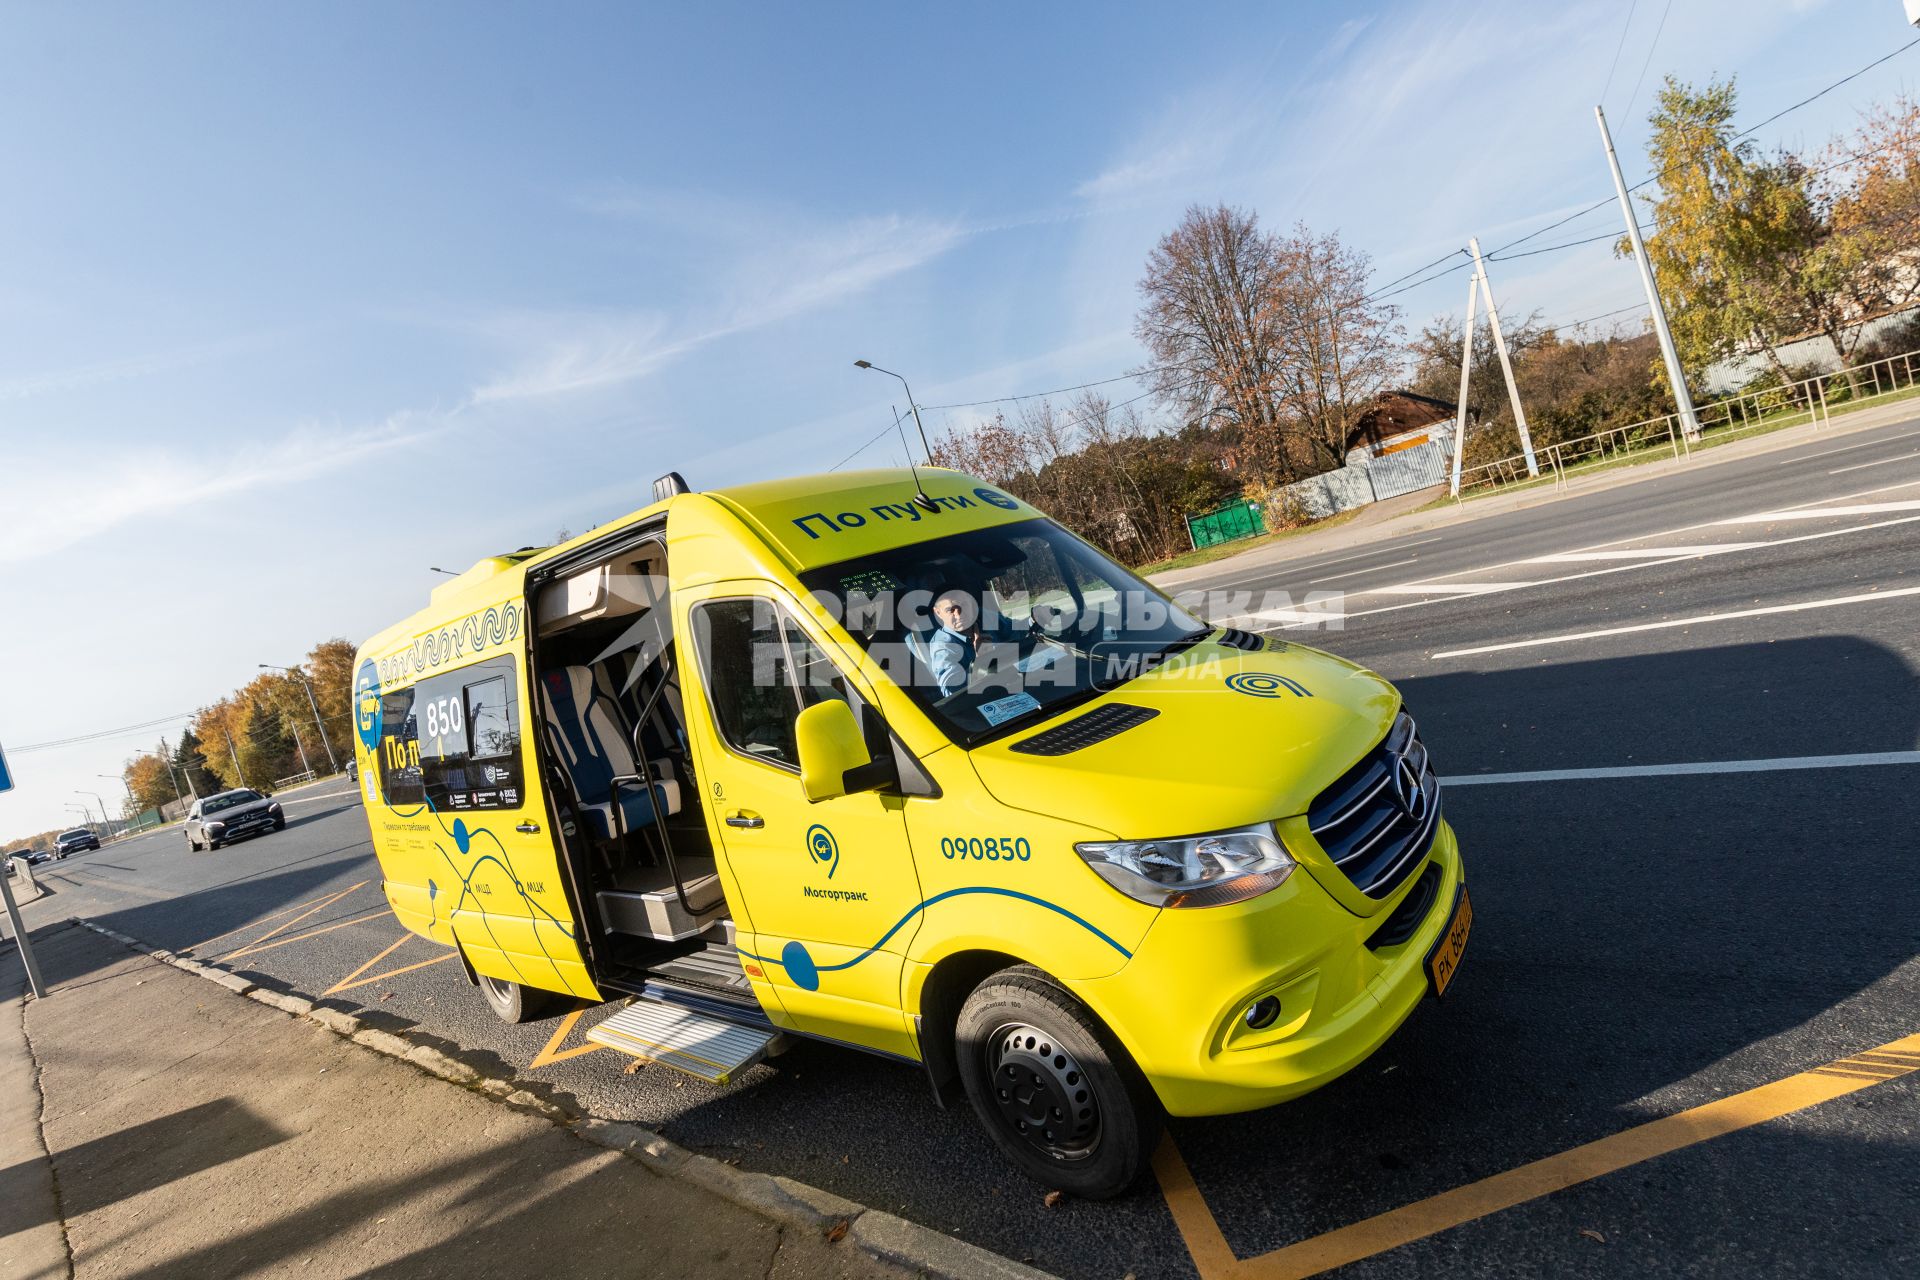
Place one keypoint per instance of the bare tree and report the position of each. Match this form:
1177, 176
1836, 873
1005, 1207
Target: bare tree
1272, 337
1209, 320
1338, 348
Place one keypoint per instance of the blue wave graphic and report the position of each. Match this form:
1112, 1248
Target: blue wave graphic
800, 966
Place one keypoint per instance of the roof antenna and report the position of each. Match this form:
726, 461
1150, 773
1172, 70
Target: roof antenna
920, 498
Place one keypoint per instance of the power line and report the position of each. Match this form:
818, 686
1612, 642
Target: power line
94, 737
1614, 65
1649, 62
1830, 88
1655, 177
1057, 391
1375, 296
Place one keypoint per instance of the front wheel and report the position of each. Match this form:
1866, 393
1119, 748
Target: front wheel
1053, 1087
512, 1002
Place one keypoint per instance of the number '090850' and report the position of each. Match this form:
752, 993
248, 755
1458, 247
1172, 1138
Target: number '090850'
986, 849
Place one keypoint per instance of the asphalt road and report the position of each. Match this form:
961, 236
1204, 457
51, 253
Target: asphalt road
1643, 944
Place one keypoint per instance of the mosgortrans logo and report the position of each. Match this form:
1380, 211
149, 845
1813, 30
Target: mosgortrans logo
1264, 684
823, 848
994, 498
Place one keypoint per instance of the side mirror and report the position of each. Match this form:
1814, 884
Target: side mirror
833, 755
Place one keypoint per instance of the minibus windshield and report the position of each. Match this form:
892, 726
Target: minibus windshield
996, 629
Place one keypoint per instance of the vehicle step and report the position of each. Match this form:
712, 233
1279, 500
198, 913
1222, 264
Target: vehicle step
711, 1049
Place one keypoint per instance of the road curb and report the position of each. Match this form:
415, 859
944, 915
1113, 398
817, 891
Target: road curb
783, 1201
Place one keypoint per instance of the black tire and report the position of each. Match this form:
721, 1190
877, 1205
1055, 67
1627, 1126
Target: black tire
213, 844
279, 824
512, 1002
1055, 1090
193, 846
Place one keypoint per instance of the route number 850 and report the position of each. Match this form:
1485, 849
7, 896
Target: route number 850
444, 717
989, 849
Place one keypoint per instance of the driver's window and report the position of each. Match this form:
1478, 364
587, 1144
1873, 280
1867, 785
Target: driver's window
762, 669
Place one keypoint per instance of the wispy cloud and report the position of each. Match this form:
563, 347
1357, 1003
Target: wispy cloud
769, 274
79, 377
42, 516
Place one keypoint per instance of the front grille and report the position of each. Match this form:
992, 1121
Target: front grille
1378, 820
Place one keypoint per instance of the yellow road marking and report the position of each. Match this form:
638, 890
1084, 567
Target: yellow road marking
389, 950
554, 1053
348, 984
320, 904
1213, 1257
378, 913
254, 924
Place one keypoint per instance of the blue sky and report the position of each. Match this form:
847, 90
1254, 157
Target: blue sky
298, 301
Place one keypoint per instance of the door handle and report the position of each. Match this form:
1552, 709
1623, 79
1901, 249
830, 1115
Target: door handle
741, 818
528, 828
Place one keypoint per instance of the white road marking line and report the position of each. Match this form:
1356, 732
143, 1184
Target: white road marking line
1829, 603
1444, 588
1828, 453
1862, 466
1647, 553
1821, 513
1861, 760
1618, 568
330, 795
1289, 615
1374, 568
1311, 565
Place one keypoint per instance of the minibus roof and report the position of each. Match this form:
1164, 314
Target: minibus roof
808, 521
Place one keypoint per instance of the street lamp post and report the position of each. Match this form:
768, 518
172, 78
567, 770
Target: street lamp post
103, 805
924, 446
121, 778
332, 763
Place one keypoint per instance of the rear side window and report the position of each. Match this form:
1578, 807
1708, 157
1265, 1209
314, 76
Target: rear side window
452, 741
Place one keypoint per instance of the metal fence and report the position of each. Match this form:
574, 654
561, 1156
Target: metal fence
1808, 401
1238, 519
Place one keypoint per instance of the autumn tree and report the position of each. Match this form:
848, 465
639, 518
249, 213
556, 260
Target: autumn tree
1870, 257
151, 780
329, 670
1735, 233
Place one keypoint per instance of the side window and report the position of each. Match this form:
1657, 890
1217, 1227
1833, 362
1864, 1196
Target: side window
453, 741
761, 670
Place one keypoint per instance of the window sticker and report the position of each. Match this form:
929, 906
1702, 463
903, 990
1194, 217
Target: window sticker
1001, 710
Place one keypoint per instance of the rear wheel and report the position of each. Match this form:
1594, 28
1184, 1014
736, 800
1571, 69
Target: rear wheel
1053, 1087
512, 1002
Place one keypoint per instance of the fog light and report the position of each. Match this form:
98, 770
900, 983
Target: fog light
1262, 1013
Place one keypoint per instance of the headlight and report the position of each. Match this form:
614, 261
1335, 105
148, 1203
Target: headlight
274, 807
216, 826
1193, 871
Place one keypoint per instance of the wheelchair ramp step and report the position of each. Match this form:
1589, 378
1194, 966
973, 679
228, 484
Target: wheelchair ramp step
709, 1048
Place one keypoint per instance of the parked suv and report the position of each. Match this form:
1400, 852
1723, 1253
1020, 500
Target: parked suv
223, 818
74, 841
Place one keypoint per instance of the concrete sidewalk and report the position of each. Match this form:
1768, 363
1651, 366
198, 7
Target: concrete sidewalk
155, 1125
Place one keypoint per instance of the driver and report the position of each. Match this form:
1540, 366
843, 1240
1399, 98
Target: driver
956, 641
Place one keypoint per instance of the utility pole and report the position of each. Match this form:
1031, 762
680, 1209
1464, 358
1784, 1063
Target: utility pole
239, 770
1676, 376
166, 753
1506, 363
332, 762
1466, 372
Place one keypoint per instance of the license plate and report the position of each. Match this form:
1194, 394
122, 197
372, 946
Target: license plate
1444, 960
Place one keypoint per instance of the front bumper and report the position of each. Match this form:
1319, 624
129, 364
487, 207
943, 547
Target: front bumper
1178, 1005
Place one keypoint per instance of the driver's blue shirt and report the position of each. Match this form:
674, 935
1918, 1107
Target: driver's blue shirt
950, 655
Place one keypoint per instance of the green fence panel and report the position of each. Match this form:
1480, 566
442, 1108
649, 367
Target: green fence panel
1236, 520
